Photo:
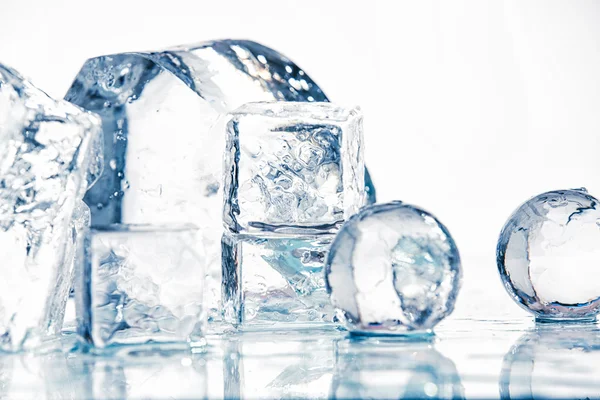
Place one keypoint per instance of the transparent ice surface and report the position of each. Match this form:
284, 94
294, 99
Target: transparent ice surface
140, 285
393, 268
292, 167
46, 164
160, 114
275, 281
548, 255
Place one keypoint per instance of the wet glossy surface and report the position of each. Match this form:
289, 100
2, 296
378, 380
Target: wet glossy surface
466, 359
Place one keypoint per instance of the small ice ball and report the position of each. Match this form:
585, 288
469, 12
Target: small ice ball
393, 269
548, 255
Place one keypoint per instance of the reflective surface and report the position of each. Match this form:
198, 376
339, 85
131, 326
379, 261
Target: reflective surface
465, 359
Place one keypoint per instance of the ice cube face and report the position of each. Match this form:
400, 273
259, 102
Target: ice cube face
548, 255
393, 268
141, 284
292, 167
46, 154
163, 144
275, 281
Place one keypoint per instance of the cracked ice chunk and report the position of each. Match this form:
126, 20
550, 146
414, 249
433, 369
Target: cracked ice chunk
292, 167
393, 268
275, 280
548, 255
141, 284
45, 156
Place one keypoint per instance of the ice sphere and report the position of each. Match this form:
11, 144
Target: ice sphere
549, 258
45, 156
141, 284
161, 109
275, 280
393, 268
292, 167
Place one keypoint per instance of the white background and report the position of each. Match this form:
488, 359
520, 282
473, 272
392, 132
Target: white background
471, 107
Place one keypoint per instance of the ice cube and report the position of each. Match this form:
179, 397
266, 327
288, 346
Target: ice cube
275, 281
292, 167
141, 284
45, 156
393, 268
162, 148
549, 258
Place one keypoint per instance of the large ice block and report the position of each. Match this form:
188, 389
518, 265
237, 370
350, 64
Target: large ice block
45, 156
275, 281
141, 284
292, 167
162, 140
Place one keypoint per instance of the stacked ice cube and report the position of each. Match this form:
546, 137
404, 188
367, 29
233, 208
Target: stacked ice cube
163, 115
150, 150
293, 173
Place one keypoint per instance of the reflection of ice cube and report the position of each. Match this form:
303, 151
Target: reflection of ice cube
45, 156
141, 284
163, 144
292, 167
275, 281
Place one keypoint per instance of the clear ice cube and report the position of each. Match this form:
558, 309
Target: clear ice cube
393, 268
162, 142
548, 255
292, 167
275, 280
46, 156
140, 285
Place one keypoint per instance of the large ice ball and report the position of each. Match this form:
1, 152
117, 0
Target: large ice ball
393, 269
549, 255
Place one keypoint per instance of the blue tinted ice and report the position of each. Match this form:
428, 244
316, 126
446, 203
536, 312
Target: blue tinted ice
163, 145
46, 153
549, 258
292, 167
393, 268
141, 285
275, 280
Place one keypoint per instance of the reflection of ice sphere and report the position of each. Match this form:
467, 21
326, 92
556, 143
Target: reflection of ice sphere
393, 268
379, 369
553, 361
549, 255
